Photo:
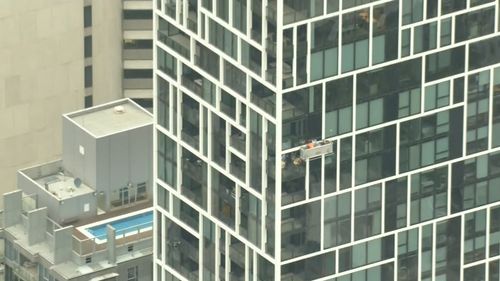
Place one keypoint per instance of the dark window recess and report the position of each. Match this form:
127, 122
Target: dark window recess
89, 101
146, 103
137, 14
87, 50
137, 73
87, 16
88, 76
137, 44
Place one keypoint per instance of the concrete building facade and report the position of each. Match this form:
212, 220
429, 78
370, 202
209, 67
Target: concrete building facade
327, 140
88, 215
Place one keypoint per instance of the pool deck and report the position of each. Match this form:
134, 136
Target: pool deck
108, 215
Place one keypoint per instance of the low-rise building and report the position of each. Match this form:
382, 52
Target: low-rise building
88, 215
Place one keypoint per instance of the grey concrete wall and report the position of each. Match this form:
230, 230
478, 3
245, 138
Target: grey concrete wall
12, 202
60, 211
82, 166
63, 244
144, 266
37, 225
41, 77
106, 50
123, 158
111, 243
72, 208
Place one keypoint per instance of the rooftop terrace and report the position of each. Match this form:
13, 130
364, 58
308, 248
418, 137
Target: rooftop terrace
55, 180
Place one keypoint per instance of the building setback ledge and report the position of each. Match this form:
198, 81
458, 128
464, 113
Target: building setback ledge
105, 277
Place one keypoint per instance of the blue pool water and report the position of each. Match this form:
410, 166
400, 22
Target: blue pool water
125, 225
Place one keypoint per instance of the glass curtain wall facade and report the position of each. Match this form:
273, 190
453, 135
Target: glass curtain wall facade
401, 99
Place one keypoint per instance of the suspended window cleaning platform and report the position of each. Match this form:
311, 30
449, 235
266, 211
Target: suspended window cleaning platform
316, 149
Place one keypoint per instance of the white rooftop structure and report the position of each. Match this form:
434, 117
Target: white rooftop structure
111, 117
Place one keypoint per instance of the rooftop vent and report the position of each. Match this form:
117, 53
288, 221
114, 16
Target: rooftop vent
119, 109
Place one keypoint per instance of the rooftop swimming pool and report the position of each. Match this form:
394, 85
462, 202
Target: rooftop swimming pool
124, 225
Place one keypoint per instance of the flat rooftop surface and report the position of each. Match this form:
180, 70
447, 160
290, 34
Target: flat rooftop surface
63, 186
108, 119
52, 178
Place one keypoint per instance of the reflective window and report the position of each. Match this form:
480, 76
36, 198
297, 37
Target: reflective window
412, 11
337, 216
310, 268
449, 6
194, 178
475, 182
437, 95
388, 93
444, 63
355, 36
324, 48
478, 111
474, 236
431, 139
297, 10
368, 212
484, 53
190, 112
496, 109
425, 37
338, 106
375, 154
366, 253
250, 217
494, 231
181, 250
395, 203
385, 32
302, 116
429, 195
474, 24
300, 230
167, 160
223, 198
408, 255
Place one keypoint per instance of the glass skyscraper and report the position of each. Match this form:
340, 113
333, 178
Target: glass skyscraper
335, 140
